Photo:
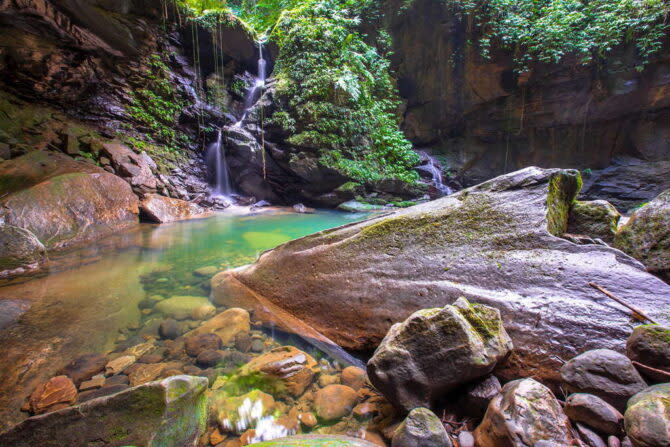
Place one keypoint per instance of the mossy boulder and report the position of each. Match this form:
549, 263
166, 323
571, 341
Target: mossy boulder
647, 417
421, 428
436, 350
490, 243
596, 219
649, 345
180, 307
167, 413
646, 235
236, 414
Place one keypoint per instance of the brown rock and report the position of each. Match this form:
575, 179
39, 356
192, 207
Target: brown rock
307, 419
119, 364
145, 373
56, 393
594, 412
93, 383
334, 402
161, 209
374, 438
247, 437
227, 325
195, 344
216, 437
353, 377
285, 370
327, 379
85, 367
133, 167
523, 414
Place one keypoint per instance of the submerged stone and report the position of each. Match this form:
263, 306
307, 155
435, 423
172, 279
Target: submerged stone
180, 307
169, 413
20, 251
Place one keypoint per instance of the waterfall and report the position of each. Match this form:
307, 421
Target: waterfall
255, 91
217, 156
432, 166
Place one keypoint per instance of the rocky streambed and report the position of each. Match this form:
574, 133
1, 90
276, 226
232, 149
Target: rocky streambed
496, 316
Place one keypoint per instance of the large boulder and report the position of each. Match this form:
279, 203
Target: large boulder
169, 413
86, 201
161, 209
497, 244
649, 345
435, 350
605, 373
646, 235
20, 251
647, 418
421, 428
525, 413
597, 219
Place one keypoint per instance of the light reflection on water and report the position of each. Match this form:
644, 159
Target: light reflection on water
91, 294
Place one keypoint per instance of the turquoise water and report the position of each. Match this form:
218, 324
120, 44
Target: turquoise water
91, 298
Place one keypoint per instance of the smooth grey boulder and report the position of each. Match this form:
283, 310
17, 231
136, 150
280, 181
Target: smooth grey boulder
646, 235
167, 413
596, 219
20, 251
525, 414
435, 350
647, 418
421, 428
496, 244
604, 373
594, 412
649, 345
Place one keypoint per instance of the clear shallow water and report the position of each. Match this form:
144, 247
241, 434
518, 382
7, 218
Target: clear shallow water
90, 299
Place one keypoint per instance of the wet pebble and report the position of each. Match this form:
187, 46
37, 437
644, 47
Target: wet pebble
209, 357
169, 329
195, 344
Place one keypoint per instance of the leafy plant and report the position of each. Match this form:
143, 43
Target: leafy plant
548, 30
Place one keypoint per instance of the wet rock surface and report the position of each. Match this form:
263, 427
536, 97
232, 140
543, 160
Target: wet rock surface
525, 414
595, 413
421, 428
169, 411
159, 209
604, 373
496, 244
645, 236
647, 417
596, 219
435, 350
650, 346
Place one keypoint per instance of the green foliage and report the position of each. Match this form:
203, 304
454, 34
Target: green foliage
156, 104
548, 30
334, 93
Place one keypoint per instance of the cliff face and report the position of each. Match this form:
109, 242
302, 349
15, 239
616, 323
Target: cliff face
487, 120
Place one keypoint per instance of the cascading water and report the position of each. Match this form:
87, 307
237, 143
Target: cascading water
254, 92
217, 157
432, 166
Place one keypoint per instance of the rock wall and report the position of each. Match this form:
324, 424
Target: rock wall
487, 120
